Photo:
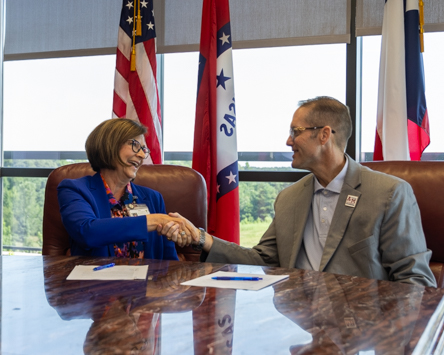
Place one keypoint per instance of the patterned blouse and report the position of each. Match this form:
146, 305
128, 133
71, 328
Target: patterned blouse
119, 210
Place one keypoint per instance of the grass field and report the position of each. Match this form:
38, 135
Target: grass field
251, 233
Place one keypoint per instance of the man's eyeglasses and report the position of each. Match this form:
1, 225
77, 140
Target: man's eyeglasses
294, 132
136, 146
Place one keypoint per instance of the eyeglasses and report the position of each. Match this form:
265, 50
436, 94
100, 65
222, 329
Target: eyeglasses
136, 146
294, 132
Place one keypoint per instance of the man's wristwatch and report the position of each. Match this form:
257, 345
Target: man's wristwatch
201, 243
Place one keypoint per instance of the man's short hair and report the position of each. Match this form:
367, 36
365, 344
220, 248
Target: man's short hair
327, 111
105, 141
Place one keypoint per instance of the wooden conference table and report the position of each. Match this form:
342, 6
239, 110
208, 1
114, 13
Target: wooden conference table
310, 313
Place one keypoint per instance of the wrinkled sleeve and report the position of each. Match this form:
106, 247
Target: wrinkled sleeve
402, 243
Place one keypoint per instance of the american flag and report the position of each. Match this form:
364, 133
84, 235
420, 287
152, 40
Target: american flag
135, 91
402, 119
215, 143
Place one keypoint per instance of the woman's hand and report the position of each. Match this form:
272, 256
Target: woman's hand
180, 230
194, 233
173, 226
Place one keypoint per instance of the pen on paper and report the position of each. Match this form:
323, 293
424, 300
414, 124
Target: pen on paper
237, 278
103, 267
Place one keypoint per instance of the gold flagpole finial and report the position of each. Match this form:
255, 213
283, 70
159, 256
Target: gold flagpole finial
421, 25
139, 20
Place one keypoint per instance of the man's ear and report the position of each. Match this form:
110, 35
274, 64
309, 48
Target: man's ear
325, 134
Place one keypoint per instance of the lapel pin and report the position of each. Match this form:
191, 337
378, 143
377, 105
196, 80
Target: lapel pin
351, 201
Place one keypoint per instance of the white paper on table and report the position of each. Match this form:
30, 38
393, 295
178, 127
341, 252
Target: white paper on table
207, 281
118, 272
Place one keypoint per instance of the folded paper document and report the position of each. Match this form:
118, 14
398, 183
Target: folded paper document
118, 272
216, 280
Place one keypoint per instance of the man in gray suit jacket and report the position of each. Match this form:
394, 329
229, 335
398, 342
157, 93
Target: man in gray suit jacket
343, 218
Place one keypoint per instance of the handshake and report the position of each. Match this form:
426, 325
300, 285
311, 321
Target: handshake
178, 229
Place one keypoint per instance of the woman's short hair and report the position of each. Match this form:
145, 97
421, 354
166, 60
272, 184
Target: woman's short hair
105, 141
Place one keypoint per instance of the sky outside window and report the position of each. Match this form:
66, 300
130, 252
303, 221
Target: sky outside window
269, 82
53, 104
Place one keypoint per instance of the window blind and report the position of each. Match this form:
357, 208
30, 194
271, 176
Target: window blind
54, 28
369, 15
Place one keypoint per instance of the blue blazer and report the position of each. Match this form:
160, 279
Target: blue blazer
86, 216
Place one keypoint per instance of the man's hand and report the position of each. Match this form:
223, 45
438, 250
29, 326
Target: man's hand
182, 232
174, 228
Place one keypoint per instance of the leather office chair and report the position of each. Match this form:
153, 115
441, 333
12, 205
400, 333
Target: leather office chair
183, 189
427, 181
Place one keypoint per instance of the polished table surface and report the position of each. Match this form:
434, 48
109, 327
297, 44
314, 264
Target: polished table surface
310, 313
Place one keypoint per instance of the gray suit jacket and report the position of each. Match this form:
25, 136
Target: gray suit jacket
380, 238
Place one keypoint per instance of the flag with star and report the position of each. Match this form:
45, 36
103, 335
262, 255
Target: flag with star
215, 143
402, 131
135, 82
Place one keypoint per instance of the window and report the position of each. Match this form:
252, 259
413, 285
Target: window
434, 77
23, 213
269, 82
51, 105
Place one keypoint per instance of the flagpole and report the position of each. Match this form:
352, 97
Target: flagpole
2, 46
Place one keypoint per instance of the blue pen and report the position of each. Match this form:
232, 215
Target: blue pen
103, 267
237, 278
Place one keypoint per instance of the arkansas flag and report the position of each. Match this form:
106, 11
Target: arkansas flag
135, 82
215, 144
402, 131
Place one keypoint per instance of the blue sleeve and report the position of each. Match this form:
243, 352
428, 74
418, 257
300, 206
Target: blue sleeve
89, 222
157, 244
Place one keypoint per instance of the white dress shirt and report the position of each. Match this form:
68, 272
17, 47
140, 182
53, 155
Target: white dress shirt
323, 206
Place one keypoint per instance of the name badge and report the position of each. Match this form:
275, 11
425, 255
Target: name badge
351, 201
135, 210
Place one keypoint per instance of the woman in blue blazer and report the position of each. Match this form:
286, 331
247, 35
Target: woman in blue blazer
108, 215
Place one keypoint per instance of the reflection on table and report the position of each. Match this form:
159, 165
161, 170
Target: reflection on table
310, 313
